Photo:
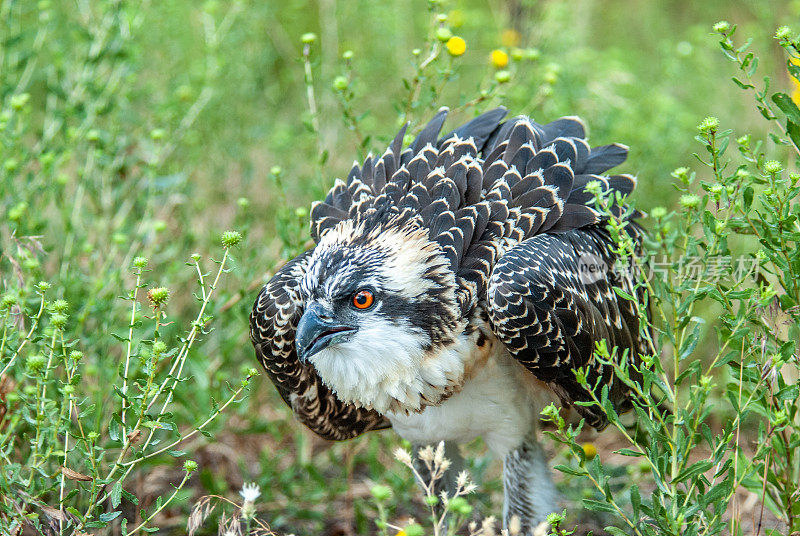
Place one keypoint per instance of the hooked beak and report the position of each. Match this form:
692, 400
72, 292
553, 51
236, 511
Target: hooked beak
317, 330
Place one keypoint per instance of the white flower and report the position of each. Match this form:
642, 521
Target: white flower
250, 492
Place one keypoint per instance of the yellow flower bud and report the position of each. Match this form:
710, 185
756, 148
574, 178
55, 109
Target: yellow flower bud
498, 58
510, 37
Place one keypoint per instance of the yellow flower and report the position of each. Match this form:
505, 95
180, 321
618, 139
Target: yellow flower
510, 37
796, 84
498, 58
589, 450
456, 46
400, 532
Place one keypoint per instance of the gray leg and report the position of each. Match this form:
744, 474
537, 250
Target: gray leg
530, 493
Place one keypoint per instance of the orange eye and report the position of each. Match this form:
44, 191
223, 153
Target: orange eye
363, 299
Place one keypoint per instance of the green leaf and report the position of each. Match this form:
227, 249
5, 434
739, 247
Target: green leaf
598, 506
629, 452
787, 106
570, 470
636, 500
741, 84
130, 496
695, 469
793, 69
115, 427
790, 392
116, 494
614, 531
718, 492
72, 510
109, 516
747, 197
691, 343
793, 130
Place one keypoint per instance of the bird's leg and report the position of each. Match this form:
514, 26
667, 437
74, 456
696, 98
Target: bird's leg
530, 493
448, 481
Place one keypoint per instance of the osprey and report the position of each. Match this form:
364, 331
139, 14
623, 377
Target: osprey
447, 295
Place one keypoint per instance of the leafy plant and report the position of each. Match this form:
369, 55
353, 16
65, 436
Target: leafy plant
727, 249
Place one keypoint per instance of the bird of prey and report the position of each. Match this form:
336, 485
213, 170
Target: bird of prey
447, 295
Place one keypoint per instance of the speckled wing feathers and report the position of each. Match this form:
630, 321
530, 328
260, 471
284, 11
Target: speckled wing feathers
549, 313
484, 191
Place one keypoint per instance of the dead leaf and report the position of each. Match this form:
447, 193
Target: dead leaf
58, 515
75, 475
133, 437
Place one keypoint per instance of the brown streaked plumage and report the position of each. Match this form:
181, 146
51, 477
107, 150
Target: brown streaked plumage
470, 241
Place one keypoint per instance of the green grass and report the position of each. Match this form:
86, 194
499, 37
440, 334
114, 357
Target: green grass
149, 130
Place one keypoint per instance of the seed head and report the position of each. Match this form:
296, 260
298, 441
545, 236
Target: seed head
8, 301
690, 200
231, 238
190, 466
158, 296
139, 262
59, 321
658, 212
60, 306
722, 27
460, 506
308, 38
773, 167
554, 519
35, 363
443, 34
340, 83
709, 125
783, 33
413, 529
594, 188
403, 456
502, 77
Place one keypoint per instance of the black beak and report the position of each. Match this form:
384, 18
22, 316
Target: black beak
317, 330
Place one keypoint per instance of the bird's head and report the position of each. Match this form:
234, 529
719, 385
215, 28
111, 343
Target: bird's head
380, 309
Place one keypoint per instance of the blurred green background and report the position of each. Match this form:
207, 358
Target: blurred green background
152, 127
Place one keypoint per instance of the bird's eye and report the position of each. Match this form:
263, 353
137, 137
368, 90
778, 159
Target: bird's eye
363, 299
